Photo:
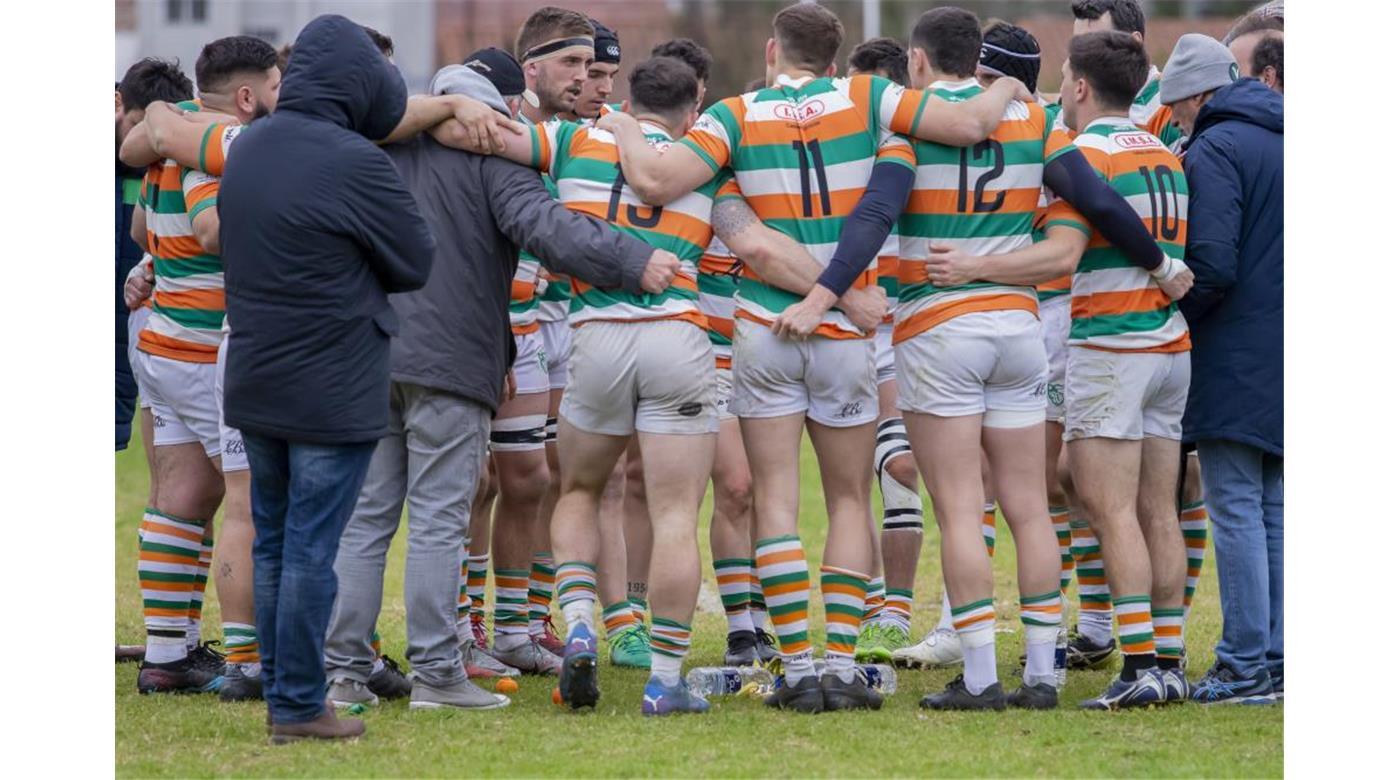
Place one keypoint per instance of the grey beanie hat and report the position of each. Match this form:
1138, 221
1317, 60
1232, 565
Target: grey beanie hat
1198, 64
461, 80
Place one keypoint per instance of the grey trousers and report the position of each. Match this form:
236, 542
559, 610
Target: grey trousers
432, 457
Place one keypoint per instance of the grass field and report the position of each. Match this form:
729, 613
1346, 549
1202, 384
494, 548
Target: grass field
199, 736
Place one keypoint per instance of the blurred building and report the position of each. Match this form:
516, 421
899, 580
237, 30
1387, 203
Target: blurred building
430, 33
180, 28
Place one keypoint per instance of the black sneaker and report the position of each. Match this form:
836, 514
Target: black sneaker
767, 649
181, 676
806, 696
390, 682
204, 656
1083, 653
1034, 697
742, 649
239, 686
1221, 685
853, 695
957, 697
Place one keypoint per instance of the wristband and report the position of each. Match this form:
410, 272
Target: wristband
1168, 270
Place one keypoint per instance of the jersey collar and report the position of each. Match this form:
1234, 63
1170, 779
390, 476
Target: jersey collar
1110, 121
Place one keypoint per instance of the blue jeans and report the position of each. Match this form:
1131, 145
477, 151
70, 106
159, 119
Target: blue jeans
302, 496
1244, 496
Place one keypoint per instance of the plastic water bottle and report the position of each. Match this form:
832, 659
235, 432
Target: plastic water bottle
1061, 656
725, 680
881, 677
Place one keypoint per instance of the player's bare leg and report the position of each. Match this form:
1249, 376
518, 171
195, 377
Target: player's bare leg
731, 542
628, 643
898, 537
1161, 529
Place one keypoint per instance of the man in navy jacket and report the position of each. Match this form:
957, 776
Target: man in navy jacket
1234, 164
317, 229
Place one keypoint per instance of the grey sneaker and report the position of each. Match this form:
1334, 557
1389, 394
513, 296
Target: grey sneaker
529, 658
463, 696
481, 664
345, 692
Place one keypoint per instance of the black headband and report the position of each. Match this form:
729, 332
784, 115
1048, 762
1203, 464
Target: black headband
550, 47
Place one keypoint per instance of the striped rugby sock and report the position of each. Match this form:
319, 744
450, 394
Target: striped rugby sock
874, 600
201, 579
670, 641
376, 643
476, 584
1135, 633
578, 592
1040, 615
167, 564
1095, 606
541, 590
1167, 637
1193, 530
464, 601
782, 567
758, 607
732, 575
945, 618
241, 643
843, 596
975, 623
639, 607
512, 613
618, 618
989, 527
899, 606
1059, 518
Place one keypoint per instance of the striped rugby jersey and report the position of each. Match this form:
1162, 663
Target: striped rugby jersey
213, 148
981, 199
528, 305
719, 280
887, 273
802, 153
584, 163
1114, 305
187, 309
1055, 288
1147, 112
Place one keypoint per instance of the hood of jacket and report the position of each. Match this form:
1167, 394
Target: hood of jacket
1246, 100
337, 75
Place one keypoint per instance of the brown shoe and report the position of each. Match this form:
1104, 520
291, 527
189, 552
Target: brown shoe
326, 726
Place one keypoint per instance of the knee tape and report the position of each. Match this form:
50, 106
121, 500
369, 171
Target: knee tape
551, 430
904, 510
518, 434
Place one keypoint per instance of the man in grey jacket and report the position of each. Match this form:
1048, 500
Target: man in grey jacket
448, 366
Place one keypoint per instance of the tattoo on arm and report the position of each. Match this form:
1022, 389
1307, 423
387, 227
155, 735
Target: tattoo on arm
731, 217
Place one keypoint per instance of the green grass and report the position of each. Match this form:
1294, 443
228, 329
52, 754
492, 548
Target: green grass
200, 736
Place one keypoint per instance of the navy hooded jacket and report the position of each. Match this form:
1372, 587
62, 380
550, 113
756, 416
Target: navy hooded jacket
316, 229
1234, 245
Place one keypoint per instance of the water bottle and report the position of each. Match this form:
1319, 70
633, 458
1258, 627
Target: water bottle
1061, 656
725, 680
881, 677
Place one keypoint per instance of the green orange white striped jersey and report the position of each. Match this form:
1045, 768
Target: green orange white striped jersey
187, 309
981, 199
887, 273
584, 163
1148, 112
1055, 288
529, 306
1115, 305
802, 153
719, 280
213, 148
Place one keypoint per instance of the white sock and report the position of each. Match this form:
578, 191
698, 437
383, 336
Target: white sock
511, 641
377, 666
945, 621
798, 668
843, 666
1040, 655
578, 611
666, 668
740, 622
253, 669
163, 650
979, 659
1096, 626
